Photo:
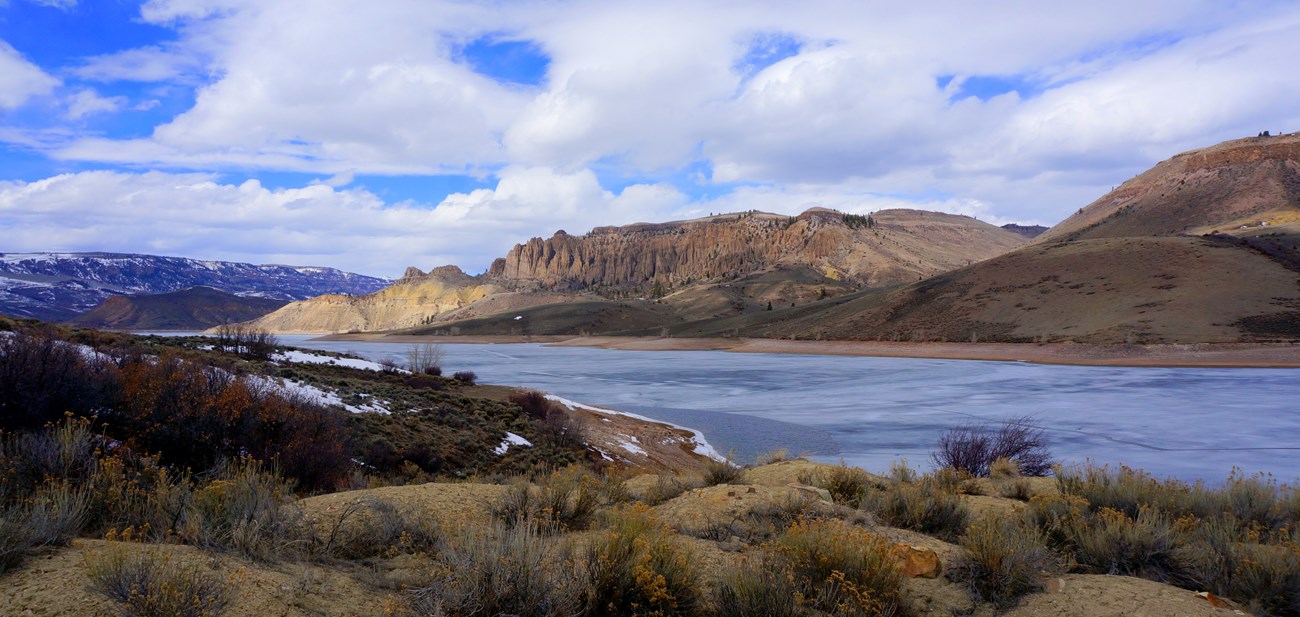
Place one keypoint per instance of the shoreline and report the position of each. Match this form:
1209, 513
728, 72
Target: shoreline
1194, 355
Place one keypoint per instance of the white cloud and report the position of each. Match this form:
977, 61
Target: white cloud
196, 215
147, 64
87, 102
646, 90
62, 5
21, 80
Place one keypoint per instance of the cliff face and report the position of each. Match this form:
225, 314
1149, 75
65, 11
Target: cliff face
1244, 182
898, 246
414, 299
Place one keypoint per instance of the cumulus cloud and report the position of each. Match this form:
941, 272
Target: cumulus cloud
21, 80
822, 101
198, 215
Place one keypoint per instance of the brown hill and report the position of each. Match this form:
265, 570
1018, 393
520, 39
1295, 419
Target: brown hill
1110, 290
888, 247
195, 308
1239, 185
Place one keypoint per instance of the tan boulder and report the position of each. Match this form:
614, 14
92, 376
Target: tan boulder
916, 561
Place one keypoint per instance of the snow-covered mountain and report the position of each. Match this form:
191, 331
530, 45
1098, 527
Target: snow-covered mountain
57, 286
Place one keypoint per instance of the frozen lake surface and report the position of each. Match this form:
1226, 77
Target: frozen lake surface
1185, 423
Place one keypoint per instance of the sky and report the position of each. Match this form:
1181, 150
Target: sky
374, 136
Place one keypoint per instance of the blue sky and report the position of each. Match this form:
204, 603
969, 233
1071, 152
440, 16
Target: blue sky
419, 132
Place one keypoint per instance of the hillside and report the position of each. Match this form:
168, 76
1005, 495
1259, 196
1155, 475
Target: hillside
1166, 290
58, 286
1242, 184
1131, 267
650, 276
196, 308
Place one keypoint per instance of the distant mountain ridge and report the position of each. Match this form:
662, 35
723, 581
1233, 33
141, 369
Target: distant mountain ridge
58, 286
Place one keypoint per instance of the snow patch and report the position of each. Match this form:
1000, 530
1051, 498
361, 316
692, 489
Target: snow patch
511, 440
319, 396
702, 446
311, 358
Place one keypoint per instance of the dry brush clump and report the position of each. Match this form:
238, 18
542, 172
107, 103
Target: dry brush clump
1002, 559
838, 568
723, 471
497, 570
565, 500
636, 566
147, 582
846, 485
1237, 540
930, 505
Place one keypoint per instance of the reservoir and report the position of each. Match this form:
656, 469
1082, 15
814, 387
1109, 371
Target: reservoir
1196, 423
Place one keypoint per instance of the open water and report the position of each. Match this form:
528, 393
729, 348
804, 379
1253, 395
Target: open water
1174, 422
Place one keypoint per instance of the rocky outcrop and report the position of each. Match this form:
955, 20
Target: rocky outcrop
889, 247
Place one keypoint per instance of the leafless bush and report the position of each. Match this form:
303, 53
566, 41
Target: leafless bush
243, 338
43, 376
972, 448
425, 358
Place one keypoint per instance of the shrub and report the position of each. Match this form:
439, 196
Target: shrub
773, 456
370, 527
845, 484
839, 568
926, 506
138, 493
1113, 543
756, 589
149, 584
566, 500
636, 567
534, 404
1221, 557
973, 448
43, 377
724, 471
249, 511
497, 571
50, 517
1003, 559
468, 377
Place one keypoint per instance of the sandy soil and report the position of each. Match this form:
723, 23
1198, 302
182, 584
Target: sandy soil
1199, 355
